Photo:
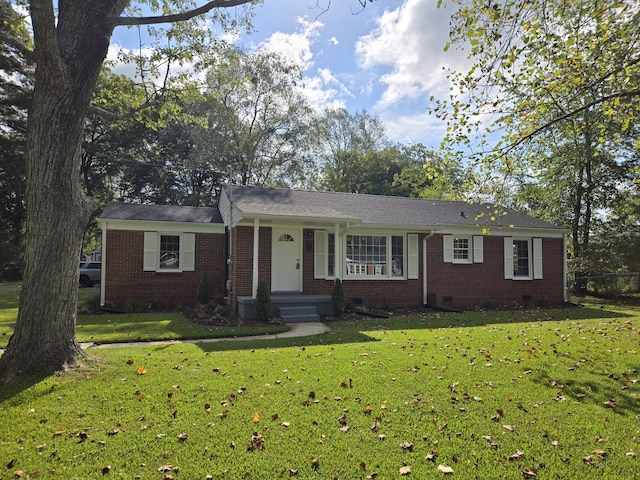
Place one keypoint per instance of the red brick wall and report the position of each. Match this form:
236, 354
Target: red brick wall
127, 285
483, 284
241, 270
466, 285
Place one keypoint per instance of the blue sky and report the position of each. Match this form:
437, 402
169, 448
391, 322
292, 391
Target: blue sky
387, 58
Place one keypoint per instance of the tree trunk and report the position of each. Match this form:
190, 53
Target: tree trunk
69, 55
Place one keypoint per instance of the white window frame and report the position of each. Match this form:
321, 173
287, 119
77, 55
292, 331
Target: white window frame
359, 271
151, 258
475, 245
534, 252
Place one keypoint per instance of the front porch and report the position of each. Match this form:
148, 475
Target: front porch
292, 307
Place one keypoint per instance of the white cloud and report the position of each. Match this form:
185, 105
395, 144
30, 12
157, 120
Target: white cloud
322, 88
408, 42
418, 128
295, 46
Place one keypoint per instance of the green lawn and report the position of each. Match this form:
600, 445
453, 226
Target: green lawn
129, 327
489, 395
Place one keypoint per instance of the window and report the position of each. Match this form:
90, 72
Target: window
397, 256
169, 252
370, 255
463, 249
366, 256
521, 258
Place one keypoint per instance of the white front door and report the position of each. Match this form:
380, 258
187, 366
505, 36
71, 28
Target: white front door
285, 260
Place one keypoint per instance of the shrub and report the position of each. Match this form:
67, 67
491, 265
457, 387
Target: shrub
338, 301
203, 291
263, 301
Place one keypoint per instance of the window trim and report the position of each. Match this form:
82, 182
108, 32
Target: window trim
321, 254
535, 258
151, 255
388, 257
475, 249
529, 275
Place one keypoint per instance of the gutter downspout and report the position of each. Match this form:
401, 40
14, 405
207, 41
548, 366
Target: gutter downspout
424, 266
256, 245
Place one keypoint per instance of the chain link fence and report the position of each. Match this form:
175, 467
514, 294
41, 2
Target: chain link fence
606, 285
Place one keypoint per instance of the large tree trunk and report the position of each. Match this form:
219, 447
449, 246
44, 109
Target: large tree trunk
69, 55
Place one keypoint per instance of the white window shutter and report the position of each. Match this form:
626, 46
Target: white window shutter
508, 258
478, 249
150, 259
320, 254
447, 246
188, 256
537, 258
412, 256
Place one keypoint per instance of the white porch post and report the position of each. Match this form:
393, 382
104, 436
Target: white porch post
256, 245
103, 261
339, 260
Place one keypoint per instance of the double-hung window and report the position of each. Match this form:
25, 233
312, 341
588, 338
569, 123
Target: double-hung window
169, 252
522, 258
521, 255
463, 248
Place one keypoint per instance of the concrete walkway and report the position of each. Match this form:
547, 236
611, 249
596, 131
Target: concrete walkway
305, 329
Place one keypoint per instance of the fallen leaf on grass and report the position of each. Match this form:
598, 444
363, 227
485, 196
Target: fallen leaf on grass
142, 371
431, 457
256, 417
57, 433
446, 469
529, 474
517, 456
19, 473
406, 470
406, 446
511, 428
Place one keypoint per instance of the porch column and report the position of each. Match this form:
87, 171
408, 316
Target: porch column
256, 245
339, 260
103, 261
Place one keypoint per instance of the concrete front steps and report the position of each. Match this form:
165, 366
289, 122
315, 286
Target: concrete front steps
297, 307
298, 314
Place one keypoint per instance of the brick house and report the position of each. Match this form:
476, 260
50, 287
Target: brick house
388, 252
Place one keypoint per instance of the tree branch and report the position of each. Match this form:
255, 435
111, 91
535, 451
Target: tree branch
630, 94
180, 17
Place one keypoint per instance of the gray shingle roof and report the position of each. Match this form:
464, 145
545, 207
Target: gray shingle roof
376, 209
160, 213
